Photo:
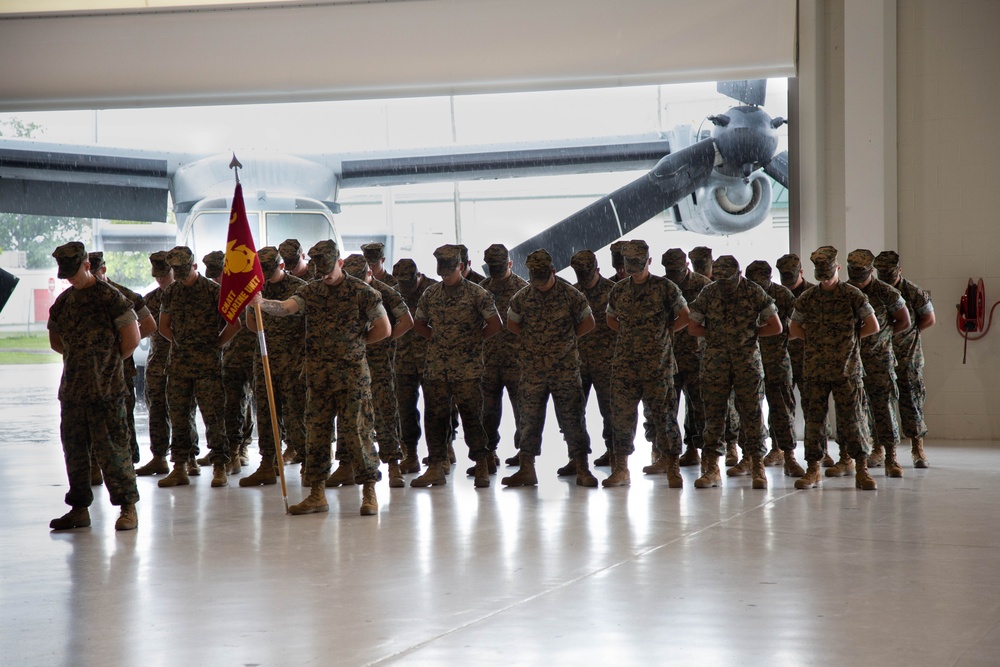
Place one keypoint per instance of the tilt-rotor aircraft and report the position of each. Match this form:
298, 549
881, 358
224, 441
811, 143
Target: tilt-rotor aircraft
716, 181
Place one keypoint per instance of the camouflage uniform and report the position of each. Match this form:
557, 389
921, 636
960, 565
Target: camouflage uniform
374, 254
777, 363
92, 388
472, 276
688, 350
194, 374
643, 360
597, 347
285, 351
907, 348
337, 375
550, 364
454, 362
411, 352
381, 361
731, 309
502, 351
291, 254
156, 374
876, 350
832, 359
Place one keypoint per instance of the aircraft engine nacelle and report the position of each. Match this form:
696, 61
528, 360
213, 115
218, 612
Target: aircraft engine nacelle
727, 205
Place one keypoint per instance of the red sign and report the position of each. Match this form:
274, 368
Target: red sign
242, 276
52, 285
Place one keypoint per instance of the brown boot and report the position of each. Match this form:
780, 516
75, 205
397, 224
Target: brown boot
828, 461
411, 463
177, 477
265, 475
732, 457
314, 503
657, 467
513, 461
433, 476
775, 457
862, 479
843, 467
156, 466
917, 452
792, 467
710, 472
289, 456
342, 476
452, 459
491, 465
674, 479
892, 467
583, 475
369, 502
244, 455
206, 460
482, 472
877, 458
603, 460
219, 476
690, 457
619, 471
396, 480
812, 479
235, 465
525, 475
77, 517
128, 519
757, 472
193, 468
740, 469
568, 470
96, 478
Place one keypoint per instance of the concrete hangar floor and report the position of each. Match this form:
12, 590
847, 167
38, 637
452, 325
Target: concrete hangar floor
555, 575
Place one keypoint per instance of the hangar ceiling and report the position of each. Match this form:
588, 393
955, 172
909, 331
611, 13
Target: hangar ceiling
100, 54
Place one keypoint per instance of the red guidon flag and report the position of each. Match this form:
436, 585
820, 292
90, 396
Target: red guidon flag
242, 276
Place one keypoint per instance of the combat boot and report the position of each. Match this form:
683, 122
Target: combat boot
481, 472
843, 467
603, 460
193, 468
289, 456
342, 476
690, 457
396, 480
446, 466
513, 461
658, 466
433, 476
917, 452
411, 463
219, 476
892, 467
156, 466
128, 519
206, 460
812, 479
583, 475
619, 471
265, 475
492, 460
792, 467
235, 466
96, 478
568, 470
862, 479
775, 457
369, 503
828, 461
177, 477
313, 503
525, 475
452, 459
732, 457
674, 479
740, 469
710, 475
77, 517
757, 472
244, 455
877, 458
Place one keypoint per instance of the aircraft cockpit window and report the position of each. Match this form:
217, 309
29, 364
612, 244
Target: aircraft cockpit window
209, 230
308, 228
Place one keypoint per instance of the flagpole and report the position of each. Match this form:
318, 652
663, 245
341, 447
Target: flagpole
262, 343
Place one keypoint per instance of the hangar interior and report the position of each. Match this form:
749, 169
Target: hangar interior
889, 150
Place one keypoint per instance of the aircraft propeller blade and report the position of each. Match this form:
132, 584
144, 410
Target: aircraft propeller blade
777, 168
674, 177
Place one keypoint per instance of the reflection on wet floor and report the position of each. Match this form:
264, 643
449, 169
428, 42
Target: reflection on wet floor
553, 574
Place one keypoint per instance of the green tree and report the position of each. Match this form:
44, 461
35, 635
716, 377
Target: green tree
129, 268
36, 235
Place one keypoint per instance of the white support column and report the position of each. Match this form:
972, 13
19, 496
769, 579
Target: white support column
869, 126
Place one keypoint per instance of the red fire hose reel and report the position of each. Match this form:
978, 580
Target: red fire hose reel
972, 314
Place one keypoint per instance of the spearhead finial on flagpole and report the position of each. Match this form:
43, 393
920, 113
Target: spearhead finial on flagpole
236, 166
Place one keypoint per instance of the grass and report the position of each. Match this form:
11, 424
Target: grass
26, 348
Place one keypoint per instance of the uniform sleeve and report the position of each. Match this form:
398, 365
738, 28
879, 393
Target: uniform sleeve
922, 303
766, 307
581, 307
487, 307
166, 299
514, 309
675, 298
300, 298
54, 312
371, 303
612, 301
894, 300
698, 308
862, 308
421, 312
120, 308
395, 304
799, 309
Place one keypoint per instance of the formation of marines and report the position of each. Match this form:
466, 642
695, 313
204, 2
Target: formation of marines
352, 347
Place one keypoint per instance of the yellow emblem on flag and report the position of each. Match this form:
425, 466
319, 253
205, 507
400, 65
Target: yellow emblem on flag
239, 258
